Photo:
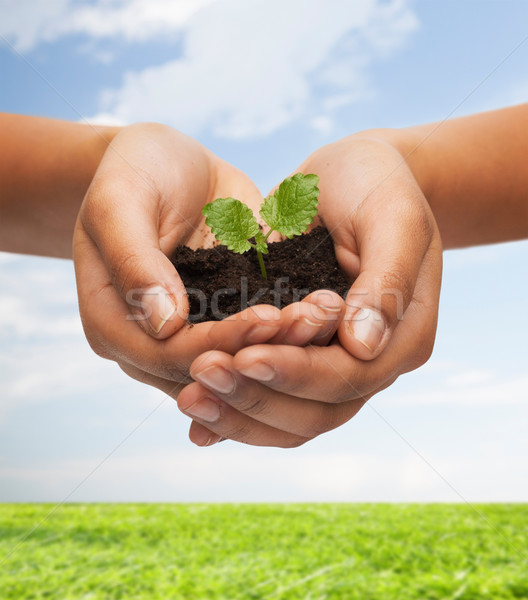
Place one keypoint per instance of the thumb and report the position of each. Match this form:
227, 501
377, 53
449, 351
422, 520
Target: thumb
126, 235
391, 256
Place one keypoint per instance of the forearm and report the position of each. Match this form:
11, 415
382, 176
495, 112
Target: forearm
46, 167
474, 173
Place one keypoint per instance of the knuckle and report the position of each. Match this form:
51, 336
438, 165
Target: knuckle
125, 271
341, 386
240, 433
343, 394
393, 293
251, 405
175, 371
326, 419
353, 388
397, 284
295, 383
162, 362
293, 387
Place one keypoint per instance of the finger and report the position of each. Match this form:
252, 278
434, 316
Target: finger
121, 215
326, 374
412, 342
334, 307
301, 322
223, 421
305, 418
392, 251
201, 436
314, 320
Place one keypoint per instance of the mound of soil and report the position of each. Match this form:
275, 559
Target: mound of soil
221, 283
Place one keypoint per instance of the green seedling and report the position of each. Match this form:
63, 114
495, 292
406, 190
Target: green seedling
289, 211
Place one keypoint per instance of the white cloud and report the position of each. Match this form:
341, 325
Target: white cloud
135, 20
31, 22
248, 69
25, 24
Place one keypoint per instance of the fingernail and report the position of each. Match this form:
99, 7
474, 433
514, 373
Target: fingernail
368, 327
205, 410
302, 331
260, 371
158, 307
330, 309
217, 379
205, 438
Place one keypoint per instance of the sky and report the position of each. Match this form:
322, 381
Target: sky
263, 84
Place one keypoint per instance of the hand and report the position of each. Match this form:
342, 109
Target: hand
145, 199
386, 237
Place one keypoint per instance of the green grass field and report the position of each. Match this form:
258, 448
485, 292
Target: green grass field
231, 551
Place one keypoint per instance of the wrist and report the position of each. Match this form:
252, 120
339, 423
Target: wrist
410, 147
97, 144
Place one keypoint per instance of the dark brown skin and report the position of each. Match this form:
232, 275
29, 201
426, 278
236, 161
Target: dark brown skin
46, 167
473, 173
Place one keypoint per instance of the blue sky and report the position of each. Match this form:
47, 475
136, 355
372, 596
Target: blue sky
263, 84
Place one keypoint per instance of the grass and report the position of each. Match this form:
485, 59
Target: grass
281, 551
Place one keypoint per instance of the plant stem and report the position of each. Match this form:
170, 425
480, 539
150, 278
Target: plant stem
261, 263
267, 235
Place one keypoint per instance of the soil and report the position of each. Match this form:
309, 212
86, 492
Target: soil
221, 283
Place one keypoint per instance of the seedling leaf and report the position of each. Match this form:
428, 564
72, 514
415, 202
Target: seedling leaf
232, 222
289, 211
293, 206
260, 241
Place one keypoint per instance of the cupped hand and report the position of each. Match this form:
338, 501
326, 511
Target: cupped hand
386, 239
145, 199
